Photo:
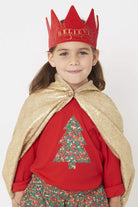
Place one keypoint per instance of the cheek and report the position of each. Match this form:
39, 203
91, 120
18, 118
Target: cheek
59, 68
60, 65
89, 63
57, 63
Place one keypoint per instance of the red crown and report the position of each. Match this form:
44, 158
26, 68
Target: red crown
73, 29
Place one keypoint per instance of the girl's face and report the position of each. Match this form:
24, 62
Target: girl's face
73, 62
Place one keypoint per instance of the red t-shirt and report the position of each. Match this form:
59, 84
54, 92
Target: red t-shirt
71, 155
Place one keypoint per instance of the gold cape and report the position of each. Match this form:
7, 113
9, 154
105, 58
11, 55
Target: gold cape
40, 106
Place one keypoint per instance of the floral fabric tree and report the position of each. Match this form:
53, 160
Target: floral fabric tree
72, 149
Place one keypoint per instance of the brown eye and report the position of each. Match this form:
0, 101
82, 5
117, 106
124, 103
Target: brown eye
83, 53
63, 54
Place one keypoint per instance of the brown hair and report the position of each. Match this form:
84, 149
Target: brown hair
46, 75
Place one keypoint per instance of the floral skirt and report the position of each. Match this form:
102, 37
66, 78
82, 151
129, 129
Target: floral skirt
40, 194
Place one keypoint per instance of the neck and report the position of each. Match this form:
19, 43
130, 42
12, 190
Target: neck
74, 87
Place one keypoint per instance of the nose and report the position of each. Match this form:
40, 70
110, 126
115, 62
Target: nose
74, 60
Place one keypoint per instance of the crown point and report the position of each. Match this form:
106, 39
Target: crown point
91, 19
72, 6
71, 16
48, 26
97, 22
54, 20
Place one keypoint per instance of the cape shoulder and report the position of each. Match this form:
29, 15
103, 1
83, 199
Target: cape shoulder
102, 103
36, 103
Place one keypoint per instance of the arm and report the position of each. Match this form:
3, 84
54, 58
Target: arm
17, 198
115, 202
113, 184
23, 173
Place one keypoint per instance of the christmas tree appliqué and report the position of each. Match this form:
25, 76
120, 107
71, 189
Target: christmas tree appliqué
72, 149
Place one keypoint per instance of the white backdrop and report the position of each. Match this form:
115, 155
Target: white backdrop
23, 46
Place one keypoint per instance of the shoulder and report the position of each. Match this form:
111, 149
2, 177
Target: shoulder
108, 106
35, 97
32, 102
103, 104
107, 101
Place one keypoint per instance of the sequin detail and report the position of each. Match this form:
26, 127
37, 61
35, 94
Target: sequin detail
72, 149
38, 193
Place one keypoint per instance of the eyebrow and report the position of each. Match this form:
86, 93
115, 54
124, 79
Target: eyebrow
64, 49
59, 50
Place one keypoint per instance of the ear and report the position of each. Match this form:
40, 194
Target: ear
51, 59
95, 57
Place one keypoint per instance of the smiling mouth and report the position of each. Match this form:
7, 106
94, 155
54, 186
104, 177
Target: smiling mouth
74, 71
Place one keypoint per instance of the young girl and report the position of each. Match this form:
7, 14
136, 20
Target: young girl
68, 147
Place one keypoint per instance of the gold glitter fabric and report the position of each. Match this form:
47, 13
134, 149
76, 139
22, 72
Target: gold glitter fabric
39, 107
